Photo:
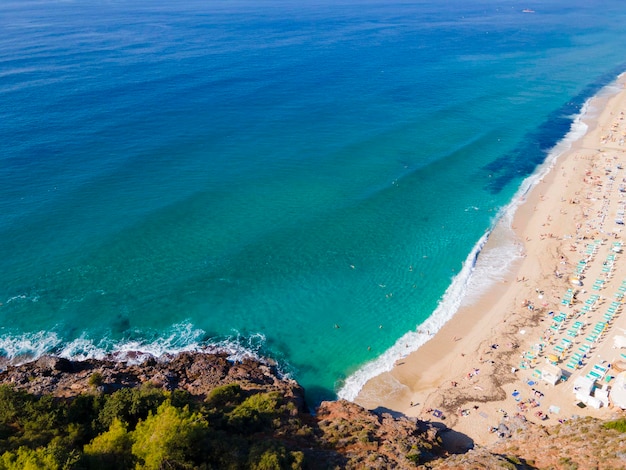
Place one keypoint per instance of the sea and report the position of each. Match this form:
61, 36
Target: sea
308, 181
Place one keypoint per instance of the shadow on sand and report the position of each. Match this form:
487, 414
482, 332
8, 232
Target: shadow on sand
453, 441
396, 414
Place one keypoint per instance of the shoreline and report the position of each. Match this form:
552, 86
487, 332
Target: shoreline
469, 364
497, 238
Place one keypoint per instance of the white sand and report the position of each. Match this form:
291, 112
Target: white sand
576, 203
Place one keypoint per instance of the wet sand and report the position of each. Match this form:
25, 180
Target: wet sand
483, 367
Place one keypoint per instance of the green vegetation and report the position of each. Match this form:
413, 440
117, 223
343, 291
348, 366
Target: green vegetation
618, 425
96, 379
567, 463
234, 427
146, 428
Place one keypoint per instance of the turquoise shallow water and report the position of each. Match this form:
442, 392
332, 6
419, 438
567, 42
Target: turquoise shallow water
256, 174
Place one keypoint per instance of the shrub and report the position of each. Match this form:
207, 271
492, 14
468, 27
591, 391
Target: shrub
225, 396
568, 464
618, 425
255, 412
514, 459
95, 380
414, 456
273, 456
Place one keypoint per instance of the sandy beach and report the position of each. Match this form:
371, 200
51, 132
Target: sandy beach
559, 309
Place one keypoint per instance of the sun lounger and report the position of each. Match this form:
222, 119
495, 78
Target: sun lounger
592, 375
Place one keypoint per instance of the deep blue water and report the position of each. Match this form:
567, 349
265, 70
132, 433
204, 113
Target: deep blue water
260, 173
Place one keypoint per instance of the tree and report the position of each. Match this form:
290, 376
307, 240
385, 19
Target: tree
273, 456
111, 449
130, 405
28, 459
52, 457
168, 437
255, 412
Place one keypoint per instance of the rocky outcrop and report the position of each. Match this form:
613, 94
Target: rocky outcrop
196, 373
580, 443
370, 440
339, 435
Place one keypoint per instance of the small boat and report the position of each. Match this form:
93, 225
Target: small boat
528, 10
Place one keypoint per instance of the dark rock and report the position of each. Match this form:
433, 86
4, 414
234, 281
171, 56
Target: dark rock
345, 434
49, 364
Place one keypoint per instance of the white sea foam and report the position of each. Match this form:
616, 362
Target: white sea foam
492, 266
27, 346
480, 270
82, 348
17, 298
241, 347
477, 275
178, 338
412, 340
